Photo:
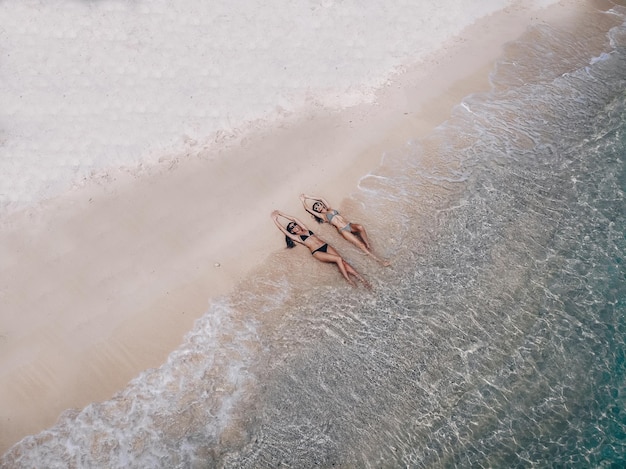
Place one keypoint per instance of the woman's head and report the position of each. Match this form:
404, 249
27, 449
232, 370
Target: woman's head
318, 207
291, 228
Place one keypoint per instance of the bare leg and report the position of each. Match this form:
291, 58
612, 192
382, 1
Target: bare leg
354, 239
350, 236
335, 259
361, 233
352, 271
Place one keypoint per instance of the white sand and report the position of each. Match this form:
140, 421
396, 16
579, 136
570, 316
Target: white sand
93, 85
103, 282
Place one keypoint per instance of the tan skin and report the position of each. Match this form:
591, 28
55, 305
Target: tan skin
352, 232
313, 242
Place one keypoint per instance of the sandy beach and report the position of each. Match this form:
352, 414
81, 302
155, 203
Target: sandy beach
103, 282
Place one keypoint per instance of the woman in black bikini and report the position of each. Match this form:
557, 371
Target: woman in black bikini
297, 232
353, 232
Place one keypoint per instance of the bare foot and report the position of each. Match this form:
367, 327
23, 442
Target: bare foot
365, 283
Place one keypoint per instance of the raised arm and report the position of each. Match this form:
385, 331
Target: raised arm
304, 198
275, 215
299, 222
278, 213
316, 198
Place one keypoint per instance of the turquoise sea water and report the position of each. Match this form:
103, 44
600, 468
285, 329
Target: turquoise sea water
496, 339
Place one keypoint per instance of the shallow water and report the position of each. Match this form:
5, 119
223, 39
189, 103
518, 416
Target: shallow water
496, 339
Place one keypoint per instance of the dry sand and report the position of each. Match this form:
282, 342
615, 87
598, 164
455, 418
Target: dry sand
103, 283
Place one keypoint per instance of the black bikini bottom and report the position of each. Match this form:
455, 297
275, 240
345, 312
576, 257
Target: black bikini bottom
322, 248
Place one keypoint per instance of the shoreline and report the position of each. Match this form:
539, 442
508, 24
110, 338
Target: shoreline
123, 269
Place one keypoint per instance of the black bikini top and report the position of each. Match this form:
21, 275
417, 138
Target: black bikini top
306, 236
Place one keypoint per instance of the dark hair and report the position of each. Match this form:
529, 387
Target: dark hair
289, 242
290, 226
315, 217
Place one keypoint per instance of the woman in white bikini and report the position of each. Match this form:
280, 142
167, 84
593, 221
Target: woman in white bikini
297, 232
353, 232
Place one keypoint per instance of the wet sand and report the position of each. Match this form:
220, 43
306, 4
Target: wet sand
104, 282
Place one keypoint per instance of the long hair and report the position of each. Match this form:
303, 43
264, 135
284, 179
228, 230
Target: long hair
289, 242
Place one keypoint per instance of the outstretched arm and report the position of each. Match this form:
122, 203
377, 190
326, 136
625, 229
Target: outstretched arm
275, 215
278, 213
304, 198
299, 222
316, 198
